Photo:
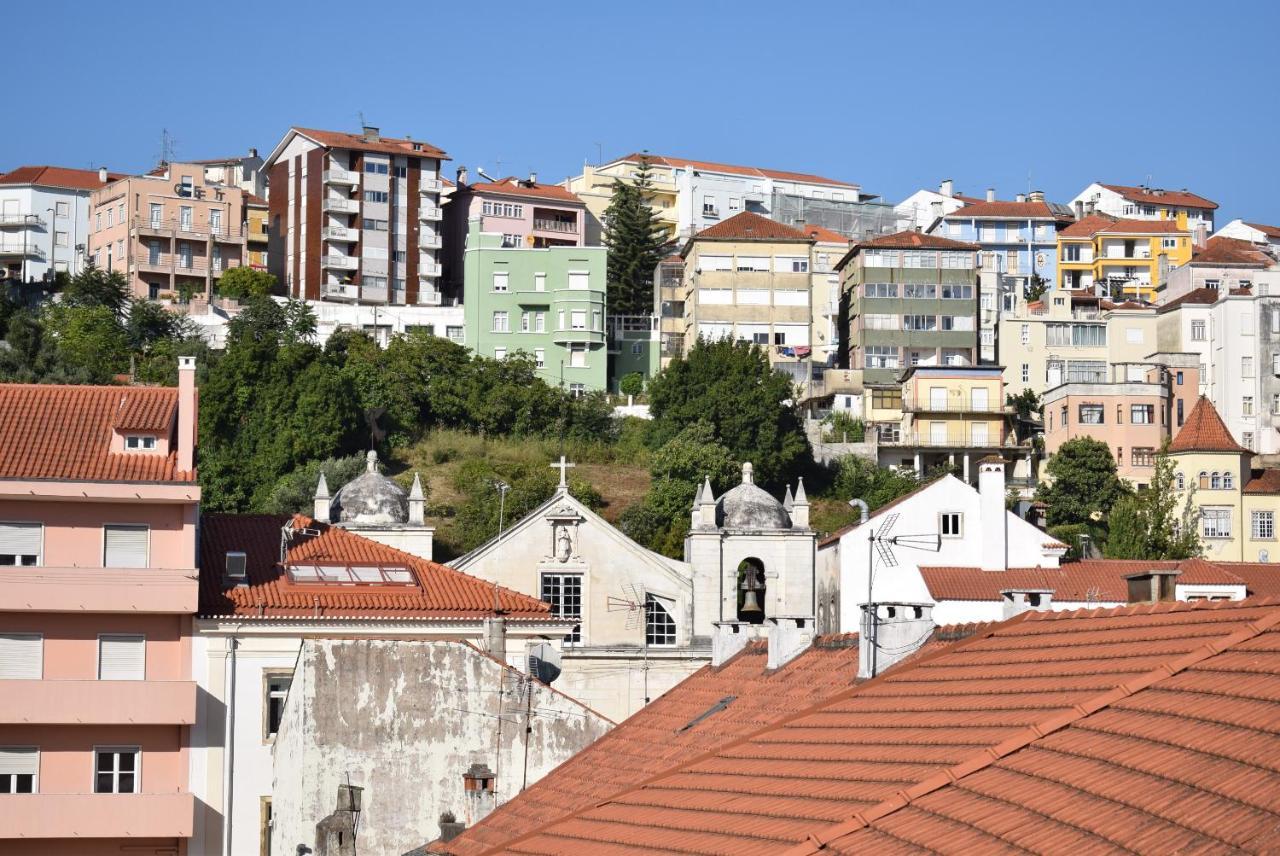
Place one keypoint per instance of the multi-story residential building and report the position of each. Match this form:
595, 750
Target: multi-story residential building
668, 289
923, 209
1146, 203
256, 237
912, 300
1018, 239
99, 500
635, 347
689, 196
1124, 259
355, 218
170, 232
1134, 411
244, 172
44, 219
828, 248
1254, 233
548, 302
1224, 264
1071, 337
749, 278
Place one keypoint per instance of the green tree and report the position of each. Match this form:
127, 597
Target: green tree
244, 281
631, 383
294, 492
1026, 403
635, 241
89, 339
859, 478
749, 406
93, 286
1148, 525
477, 519
1084, 485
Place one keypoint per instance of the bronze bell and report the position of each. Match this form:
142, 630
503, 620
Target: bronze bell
750, 603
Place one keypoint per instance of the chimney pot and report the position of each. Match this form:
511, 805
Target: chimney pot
1021, 197
533, 179
1037, 196
102, 175
789, 636
899, 631
253, 153
991, 194
370, 132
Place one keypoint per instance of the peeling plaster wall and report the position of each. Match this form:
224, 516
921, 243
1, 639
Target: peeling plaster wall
405, 719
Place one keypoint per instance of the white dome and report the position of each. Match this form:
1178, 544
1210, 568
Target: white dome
750, 507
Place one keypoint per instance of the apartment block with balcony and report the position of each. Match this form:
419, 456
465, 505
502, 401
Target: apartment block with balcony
1122, 259
355, 218
1018, 239
171, 232
1140, 202
44, 220
546, 302
1223, 265
98, 517
668, 290
256, 236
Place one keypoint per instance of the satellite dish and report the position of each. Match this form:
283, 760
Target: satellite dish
544, 662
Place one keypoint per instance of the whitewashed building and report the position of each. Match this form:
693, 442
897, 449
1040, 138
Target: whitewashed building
924, 208
44, 219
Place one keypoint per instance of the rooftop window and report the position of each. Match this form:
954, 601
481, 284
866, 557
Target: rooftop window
351, 574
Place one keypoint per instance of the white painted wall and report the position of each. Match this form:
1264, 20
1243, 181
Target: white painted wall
28, 199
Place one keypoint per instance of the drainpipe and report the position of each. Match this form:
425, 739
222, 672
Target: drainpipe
228, 750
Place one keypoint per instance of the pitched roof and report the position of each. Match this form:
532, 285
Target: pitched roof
58, 176
1034, 210
822, 234
438, 592
845, 530
1196, 296
1269, 231
911, 240
1159, 196
1231, 251
749, 226
1086, 581
701, 713
711, 166
1205, 431
1087, 227
1262, 579
49, 431
1155, 728
512, 186
386, 145
1265, 481
254, 200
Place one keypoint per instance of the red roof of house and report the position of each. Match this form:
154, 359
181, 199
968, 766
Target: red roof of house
439, 591
1231, 251
1262, 579
1029, 209
823, 235
387, 145
1088, 227
711, 166
1205, 431
49, 431
1086, 581
845, 530
1269, 231
255, 200
1264, 482
749, 226
512, 186
1158, 196
912, 240
1197, 296
1153, 728
58, 176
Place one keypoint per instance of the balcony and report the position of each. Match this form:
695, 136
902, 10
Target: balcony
428, 270
949, 440
339, 291
430, 298
191, 267
95, 816
431, 213
957, 405
431, 185
97, 702
10, 221
339, 205
340, 233
341, 176
336, 262
545, 225
428, 242
160, 264
373, 294
565, 337
97, 590
31, 251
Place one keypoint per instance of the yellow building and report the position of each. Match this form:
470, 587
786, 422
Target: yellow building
255, 235
1130, 259
595, 188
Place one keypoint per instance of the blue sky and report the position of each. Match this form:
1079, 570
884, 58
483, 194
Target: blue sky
893, 95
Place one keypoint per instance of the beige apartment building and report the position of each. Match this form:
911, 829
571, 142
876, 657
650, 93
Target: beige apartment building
172, 232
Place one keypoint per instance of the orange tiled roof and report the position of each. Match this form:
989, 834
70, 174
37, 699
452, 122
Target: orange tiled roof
64, 432
749, 226
1262, 579
1087, 227
1034, 210
912, 240
1157, 196
58, 176
711, 166
1231, 251
1197, 296
512, 186
440, 591
1205, 431
1265, 481
387, 145
823, 235
1269, 231
1153, 727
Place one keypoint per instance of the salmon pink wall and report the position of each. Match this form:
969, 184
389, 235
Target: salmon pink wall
73, 530
67, 761
71, 642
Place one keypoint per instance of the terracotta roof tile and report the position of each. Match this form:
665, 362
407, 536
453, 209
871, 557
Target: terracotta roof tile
1034, 210
1205, 431
1269, 231
1197, 297
439, 591
1231, 251
1265, 481
910, 240
749, 226
386, 145
711, 166
1157, 196
58, 176
512, 186
823, 235
64, 432
1088, 227
1261, 579
1087, 581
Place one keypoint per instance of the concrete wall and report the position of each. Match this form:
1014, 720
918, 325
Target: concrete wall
404, 720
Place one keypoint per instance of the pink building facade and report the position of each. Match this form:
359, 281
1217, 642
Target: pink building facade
98, 588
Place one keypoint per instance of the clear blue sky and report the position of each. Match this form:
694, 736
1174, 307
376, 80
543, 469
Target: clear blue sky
893, 95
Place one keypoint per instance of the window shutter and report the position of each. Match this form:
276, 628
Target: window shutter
21, 656
20, 538
121, 658
126, 546
19, 762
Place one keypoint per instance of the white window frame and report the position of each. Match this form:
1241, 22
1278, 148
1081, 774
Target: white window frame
140, 443
35, 774
103, 547
943, 524
1260, 520
37, 673
40, 554
652, 603
270, 676
136, 751
98, 655
501, 282
506, 322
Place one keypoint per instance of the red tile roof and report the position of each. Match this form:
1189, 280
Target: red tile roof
58, 176
386, 145
711, 166
1197, 296
255, 200
823, 234
1262, 579
65, 432
912, 240
1153, 728
1087, 227
1269, 231
1033, 210
1231, 251
749, 226
440, 591
1205, 431
512, 186
1157, 196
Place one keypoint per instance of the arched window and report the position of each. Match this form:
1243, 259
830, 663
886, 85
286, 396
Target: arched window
751, 591
1179, 482
659, 626
1204, 479
1215, 480
1228, 481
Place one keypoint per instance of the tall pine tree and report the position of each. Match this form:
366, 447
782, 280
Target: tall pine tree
635, 241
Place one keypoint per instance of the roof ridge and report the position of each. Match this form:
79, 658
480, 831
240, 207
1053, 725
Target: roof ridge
817, 841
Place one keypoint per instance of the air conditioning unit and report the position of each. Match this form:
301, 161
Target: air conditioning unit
237, 563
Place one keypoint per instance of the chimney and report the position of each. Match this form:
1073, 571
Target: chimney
1153, 586
897, 632
1079, 209
533, 179
102, 175
935, 209
186, 414
322, 503
253, 153
1017, 601
495, 637
991, 194
450, 828
336, 834
946, 188
1036, 196
730, 637
992, 517
370, 133
1090, 206
461, 174
799, 507
1199, 235
1021, 197
789, 636
417, 503
479, 782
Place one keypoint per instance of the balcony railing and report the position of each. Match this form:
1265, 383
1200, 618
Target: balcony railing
92, 590
179, 228
544, 225
340, 233
429, 242
373, 293
335, 262
953, 406
11, 220
430, 185
341, 176
340, 290
430, 298
340, 205
96, 816
30, 250
89, 702
430, 213
429, 270
951, 440
191, 267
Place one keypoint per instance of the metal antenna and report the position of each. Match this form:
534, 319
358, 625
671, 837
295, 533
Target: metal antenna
636, 605
879, 541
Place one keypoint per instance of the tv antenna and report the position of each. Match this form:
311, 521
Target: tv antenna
881, 542
636, 605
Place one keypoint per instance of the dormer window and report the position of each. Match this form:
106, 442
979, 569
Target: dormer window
140, 443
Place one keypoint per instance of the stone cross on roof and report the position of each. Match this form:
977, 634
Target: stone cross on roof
563, 466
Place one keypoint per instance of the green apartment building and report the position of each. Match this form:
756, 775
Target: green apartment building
548, 302
912, 300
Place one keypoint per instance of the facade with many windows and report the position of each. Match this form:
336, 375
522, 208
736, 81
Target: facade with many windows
1146, 203
1122, 258
44, 220
98, 510
1018, 239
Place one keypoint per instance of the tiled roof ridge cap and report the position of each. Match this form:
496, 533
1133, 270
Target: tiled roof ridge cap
986, 632
816, 842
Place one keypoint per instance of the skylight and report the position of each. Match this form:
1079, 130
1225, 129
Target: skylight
351, 574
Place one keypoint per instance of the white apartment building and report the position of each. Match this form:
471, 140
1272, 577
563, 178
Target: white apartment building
44, 219
355, 218
1145, 203
242, 171
1254, 233
925, 207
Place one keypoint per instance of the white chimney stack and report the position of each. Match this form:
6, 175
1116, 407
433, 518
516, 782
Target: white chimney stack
899, 631
992, 517
102, 175
186, 413
789, 636
946, 188
991, 194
